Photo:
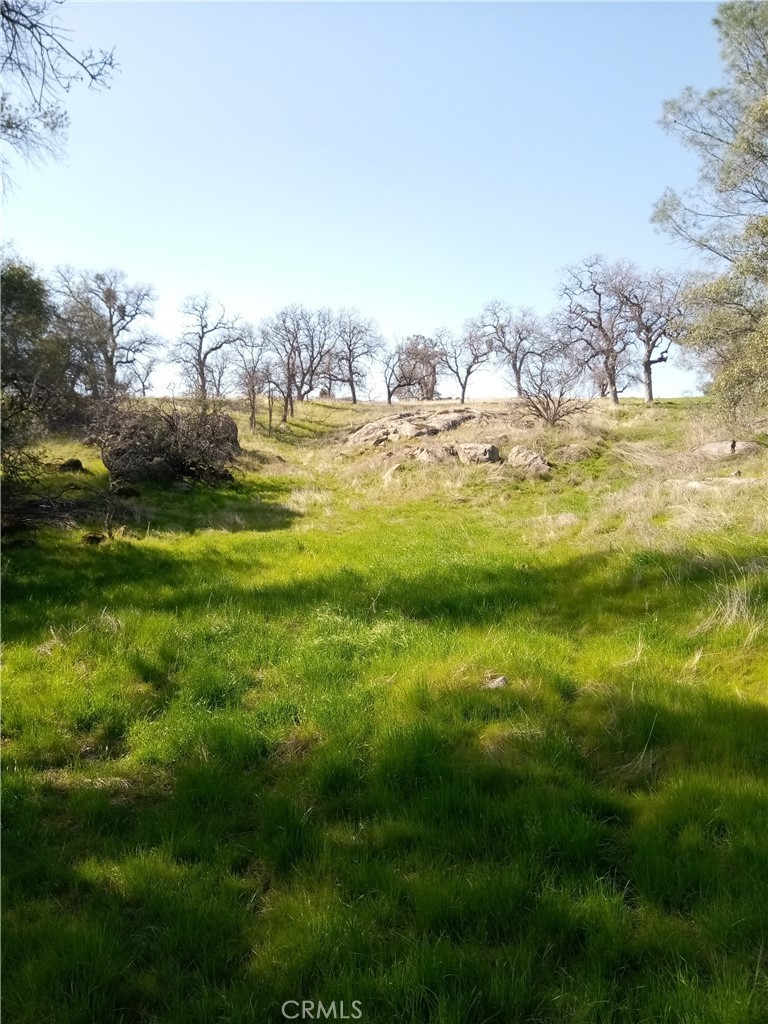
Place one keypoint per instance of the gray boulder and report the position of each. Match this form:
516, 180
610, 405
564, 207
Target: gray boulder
435, 454
470, 453
528, 461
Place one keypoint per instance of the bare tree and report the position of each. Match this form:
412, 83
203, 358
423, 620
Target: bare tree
300, 341
553, 377
655, 311
596, 316
104, 314
281, 338
357, 343
252, 374
141, 375
204, 347
514, 334
38, 66
398, 372
411, 368
462, 356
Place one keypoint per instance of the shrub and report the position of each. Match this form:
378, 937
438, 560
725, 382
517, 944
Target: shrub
161, 443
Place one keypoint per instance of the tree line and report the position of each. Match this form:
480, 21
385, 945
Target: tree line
81, 338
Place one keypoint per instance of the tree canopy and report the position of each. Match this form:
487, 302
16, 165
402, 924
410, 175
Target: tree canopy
39, 65
726, 215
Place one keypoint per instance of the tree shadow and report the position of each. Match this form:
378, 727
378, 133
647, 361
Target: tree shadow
252, 867
200, 878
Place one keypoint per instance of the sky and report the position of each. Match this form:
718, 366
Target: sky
410, 160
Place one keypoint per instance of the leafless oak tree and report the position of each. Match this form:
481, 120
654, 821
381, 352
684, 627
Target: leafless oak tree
204, 347
655, 312
553, 377
513, 334
357, 343
252, 373
411, 369
462, 356
299, 342
595, 316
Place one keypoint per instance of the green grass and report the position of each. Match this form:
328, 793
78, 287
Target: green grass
248, 757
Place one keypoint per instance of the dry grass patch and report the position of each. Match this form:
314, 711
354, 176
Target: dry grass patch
734, 603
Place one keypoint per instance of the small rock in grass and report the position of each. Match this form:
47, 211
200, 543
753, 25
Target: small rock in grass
390, 473
498, 683
565, 519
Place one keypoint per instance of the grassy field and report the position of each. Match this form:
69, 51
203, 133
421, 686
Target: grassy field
248, 756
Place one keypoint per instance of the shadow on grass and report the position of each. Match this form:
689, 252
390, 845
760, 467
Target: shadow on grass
402, 876
484, 852
596, 592
234, 507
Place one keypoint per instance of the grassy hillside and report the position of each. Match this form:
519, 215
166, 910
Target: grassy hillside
249, 757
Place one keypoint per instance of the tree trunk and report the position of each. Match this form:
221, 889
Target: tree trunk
464, 391
518, 372
647, 381
352, 389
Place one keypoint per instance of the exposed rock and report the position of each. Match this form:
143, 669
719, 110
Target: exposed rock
571, 453
72, 466
409, 424
498, 683
528, 461
377, 431
726, 449
565, 519
413, 428
389, 475
715, 482
435, 454
225, 428
129, 462
469, 453
451, 419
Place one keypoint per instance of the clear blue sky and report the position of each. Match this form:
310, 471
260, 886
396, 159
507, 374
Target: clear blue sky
413, 160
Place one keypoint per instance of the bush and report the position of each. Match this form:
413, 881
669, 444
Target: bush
141, 442
21, 460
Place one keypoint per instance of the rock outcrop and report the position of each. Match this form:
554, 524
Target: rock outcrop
469, 453
527, 461
726, 449
409, 424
